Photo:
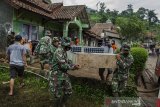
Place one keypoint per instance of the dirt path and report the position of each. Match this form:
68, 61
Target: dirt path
150, 65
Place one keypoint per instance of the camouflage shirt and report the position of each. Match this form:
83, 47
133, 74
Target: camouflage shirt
10, 40
60, 61
44, 45
123, 66
52, 49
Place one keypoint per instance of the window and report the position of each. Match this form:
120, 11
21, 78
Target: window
30, 32
34, 33
25, 31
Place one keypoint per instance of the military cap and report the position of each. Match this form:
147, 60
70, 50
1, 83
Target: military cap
55, 39
126, 47
66, 41
48, 33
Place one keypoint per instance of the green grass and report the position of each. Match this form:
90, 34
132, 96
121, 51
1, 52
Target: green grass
86, 92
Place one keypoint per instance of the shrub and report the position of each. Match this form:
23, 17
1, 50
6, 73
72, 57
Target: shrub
140, 56
117, 51
136, 44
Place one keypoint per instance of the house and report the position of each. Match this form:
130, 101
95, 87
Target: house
31, 18
149, 39
96, 31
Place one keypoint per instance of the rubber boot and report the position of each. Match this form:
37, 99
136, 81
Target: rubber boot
42, 66
64, 100
57, 102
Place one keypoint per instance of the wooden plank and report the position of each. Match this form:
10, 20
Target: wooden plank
93, 60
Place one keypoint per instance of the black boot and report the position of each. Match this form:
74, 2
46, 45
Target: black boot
57, 102
64, 100
42, 66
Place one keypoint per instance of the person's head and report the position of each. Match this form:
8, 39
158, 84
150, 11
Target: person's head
66, 43
113, 42
48, 33
13, 33
76, 40
18, 38
55, 41
125, 49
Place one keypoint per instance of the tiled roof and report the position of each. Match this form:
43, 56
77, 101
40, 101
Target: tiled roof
55, 6
54, 11
36, 6
39, 3
98, 28
92, 34
68, 12
150, 34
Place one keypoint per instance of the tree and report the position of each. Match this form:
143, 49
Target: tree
131, 28
128, 12
152, 17
104, 18
102, 8
124, 13
130, 9
142, 13
113, 15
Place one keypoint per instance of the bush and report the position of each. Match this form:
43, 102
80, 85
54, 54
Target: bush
140, 56
117, 51
136, 44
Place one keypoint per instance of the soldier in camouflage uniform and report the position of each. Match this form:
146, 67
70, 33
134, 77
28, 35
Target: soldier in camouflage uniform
120, 77
59, 82
10, 38
44, 48
53, 47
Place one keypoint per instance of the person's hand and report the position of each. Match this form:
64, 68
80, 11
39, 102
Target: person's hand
118, 57
26, 65
76, 67
34, 54
6, 61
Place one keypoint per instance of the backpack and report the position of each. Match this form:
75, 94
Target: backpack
42, 47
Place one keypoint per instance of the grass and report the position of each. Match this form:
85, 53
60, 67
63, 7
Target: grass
86, 92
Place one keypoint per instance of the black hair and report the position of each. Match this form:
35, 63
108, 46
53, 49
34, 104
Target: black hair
113, 41
18, 38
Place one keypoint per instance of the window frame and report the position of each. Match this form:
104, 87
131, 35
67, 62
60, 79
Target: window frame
29, 37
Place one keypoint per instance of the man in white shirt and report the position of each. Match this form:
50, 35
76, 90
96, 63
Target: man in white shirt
107, 49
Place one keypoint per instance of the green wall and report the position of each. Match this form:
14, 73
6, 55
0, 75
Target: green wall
33, 19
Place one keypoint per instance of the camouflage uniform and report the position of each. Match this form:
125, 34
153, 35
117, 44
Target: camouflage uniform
44, 49
122, 73
53, 49
59, 81
10, 40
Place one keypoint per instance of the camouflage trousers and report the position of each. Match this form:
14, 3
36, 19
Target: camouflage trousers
119, 83
59, 85
30, 58
43, 60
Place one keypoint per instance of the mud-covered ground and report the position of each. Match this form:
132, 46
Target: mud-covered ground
86, 92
